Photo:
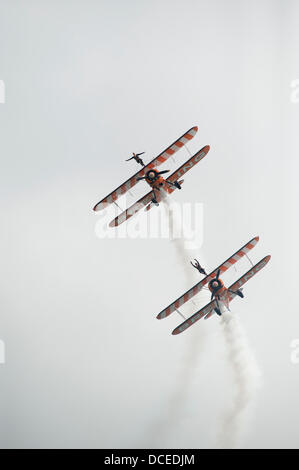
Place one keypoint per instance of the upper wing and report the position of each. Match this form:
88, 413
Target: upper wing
195, 289
161, 158
240, 282
187, 166
144, 201
197, 316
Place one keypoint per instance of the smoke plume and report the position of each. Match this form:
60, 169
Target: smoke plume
246, 375
195, 344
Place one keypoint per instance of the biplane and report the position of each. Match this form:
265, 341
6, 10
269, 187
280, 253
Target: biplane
221, 296
160, 187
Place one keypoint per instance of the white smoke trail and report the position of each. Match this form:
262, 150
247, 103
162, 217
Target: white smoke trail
246, 378
195, 345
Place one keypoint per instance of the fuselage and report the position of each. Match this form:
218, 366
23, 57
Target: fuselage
217, 287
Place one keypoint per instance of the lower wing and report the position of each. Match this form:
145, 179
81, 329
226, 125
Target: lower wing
206, 310
143, 202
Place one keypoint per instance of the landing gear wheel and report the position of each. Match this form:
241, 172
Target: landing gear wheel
177, 185
218, 312
237, 292
240, 293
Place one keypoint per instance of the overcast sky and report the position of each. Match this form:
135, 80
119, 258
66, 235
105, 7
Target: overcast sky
88, 82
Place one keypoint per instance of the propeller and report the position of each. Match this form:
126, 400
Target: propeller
155, 174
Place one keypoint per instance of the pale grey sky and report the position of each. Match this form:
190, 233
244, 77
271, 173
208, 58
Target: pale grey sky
88, 82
